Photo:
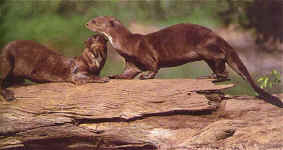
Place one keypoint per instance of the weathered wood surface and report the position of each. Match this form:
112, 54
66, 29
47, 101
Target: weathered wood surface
136, 114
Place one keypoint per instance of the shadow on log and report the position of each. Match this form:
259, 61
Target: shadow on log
136, 114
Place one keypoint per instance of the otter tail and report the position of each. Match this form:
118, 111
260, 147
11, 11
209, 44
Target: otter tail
234, 61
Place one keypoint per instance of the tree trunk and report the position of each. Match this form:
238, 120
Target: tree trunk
135, 114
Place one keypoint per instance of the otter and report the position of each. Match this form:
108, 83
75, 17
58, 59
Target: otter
173, 46
26, 59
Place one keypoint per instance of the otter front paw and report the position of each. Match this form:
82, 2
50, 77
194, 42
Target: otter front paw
80, 82
101, 80
212, 76
150, 75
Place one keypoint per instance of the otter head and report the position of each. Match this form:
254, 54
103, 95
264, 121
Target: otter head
106, 25
95, 53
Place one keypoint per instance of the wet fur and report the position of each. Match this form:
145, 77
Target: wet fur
173, 46
25, 59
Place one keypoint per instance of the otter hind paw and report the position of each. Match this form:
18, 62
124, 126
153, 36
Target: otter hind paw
8, 95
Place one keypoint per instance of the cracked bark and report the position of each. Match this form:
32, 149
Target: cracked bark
121, 114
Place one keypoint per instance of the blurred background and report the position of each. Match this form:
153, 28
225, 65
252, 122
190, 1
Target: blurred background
253, 27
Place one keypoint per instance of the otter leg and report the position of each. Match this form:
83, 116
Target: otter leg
7, 94
219, 70
130, 72
81, 78
151, 73
10, 81
5, 69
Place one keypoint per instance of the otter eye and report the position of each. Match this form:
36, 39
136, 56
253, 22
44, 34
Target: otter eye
93, 21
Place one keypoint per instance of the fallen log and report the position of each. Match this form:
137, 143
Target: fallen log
122, 114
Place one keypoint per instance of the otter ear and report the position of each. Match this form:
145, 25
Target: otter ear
112, 23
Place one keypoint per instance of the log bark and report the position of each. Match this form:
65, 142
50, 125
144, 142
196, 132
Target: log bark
134, 114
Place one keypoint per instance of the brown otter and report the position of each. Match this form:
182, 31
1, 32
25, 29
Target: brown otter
25, 59
173, 46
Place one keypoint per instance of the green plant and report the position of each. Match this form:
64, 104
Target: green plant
268, 81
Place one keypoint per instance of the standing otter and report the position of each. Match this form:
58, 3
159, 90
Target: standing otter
25, 59
173, 46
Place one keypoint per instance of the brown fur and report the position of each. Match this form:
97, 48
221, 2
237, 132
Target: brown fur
24, 59
172, 46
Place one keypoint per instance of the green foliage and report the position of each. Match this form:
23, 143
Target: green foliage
268, 81
60, 23
205, 15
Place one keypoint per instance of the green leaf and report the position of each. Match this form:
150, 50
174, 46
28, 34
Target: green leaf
260, 79
265, 82
261, 86
275, 72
